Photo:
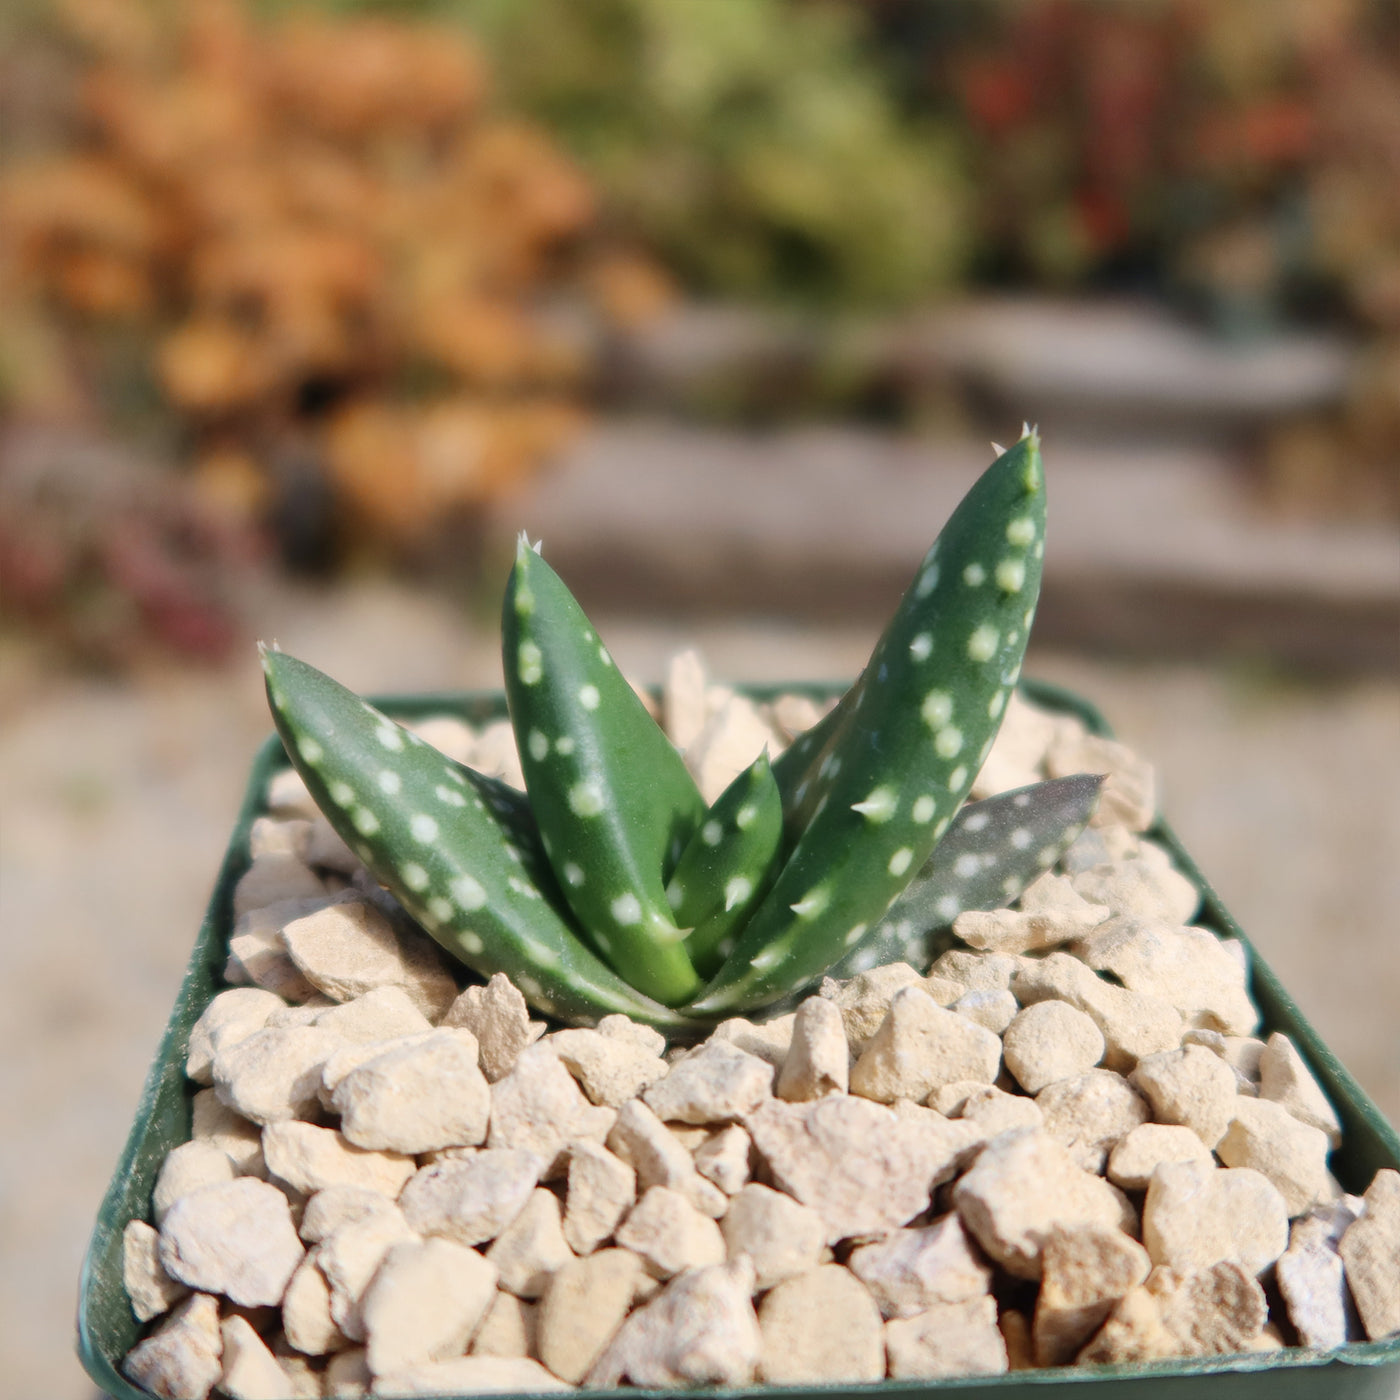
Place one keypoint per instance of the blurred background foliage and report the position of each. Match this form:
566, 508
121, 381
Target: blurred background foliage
355, 269
759, 148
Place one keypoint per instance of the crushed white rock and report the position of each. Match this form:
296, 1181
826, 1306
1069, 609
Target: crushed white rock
820, 1326
398, 1187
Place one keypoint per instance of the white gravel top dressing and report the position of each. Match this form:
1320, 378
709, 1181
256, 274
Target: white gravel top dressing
1062, 1142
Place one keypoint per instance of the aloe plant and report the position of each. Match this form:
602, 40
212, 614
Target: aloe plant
609, 885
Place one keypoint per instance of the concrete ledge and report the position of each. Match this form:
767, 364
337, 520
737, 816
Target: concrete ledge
1158, 550
1118, 367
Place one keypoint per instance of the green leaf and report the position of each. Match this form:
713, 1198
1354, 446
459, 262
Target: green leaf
448, 844
991, 852
876, 797
729, 864
614, 802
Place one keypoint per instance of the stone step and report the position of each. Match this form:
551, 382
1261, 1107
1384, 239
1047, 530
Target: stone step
1108, 367
1134, 368
1155, 550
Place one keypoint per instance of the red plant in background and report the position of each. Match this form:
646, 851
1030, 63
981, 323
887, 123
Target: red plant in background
113, 560
1102, 132
1069, 107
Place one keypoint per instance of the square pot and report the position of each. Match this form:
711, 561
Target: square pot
1360, 1371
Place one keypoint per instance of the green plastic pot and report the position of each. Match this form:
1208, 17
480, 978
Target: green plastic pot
1362, 1371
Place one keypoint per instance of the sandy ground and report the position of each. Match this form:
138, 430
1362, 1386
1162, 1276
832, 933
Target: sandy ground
116, 803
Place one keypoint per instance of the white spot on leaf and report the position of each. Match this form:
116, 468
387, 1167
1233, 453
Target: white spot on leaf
586, 799
626, 909
982, 644
389, 782
928, 581
1011, 575
924, 808
879, 806
467, 892
423, 827
948, 742
588, 697
900, 861
529, 663
1021, 531
414, 876
974, 575
365, 822
921, 646
937, 708
538, 745
736, 892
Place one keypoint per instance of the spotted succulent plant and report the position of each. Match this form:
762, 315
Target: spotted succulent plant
609, 885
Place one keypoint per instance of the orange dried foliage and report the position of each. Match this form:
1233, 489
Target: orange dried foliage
632, 290
325, 226
395, 465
